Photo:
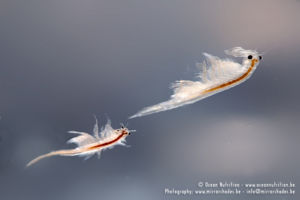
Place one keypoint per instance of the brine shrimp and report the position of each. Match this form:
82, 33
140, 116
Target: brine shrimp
216, 75
88, 145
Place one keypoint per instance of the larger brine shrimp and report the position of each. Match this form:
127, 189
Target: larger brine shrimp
216, 75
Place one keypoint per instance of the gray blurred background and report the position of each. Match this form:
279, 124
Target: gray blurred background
64, 60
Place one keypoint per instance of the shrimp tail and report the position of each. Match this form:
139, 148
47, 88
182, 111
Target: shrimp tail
183, 94
53, 153
167, 105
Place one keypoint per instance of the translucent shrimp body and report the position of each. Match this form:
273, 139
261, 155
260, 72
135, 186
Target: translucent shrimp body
216, 75
88, 145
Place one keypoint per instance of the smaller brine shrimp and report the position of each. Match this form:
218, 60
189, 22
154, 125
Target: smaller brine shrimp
88, 144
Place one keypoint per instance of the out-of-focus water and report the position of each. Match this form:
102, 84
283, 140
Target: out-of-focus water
63, 61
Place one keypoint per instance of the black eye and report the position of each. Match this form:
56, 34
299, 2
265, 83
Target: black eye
129, 133
260, 57
250, 57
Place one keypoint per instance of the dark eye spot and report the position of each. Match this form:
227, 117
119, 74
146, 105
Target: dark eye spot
250, 57
260, 57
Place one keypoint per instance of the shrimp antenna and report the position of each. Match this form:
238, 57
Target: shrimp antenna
122, 125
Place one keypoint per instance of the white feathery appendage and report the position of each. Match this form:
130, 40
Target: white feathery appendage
83, 139
213, 72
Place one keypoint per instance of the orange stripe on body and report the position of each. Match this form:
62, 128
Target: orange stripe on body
235, 80
107, 143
